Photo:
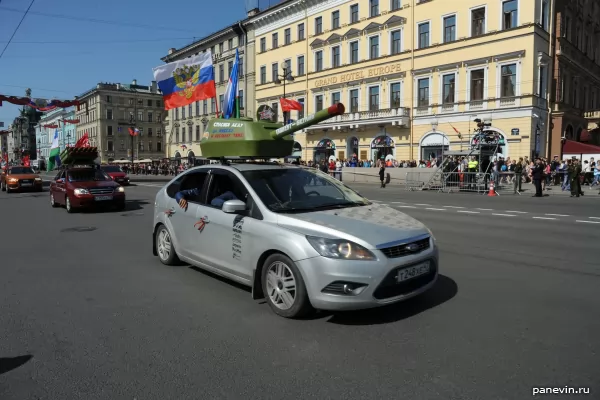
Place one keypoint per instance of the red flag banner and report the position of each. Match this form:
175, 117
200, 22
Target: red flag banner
26, 161
71, 121
51, 126
132, 132
290, 104
83, 141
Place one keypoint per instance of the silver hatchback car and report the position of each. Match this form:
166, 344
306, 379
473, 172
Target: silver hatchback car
298, 237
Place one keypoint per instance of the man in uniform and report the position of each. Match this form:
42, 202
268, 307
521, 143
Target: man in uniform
537, 174
574, 171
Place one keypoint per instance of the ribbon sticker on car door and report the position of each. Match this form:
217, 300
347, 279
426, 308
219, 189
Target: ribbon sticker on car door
201, 224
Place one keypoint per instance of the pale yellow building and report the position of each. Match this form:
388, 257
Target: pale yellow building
412, 74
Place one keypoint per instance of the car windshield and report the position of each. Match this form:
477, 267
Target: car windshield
21, 170
87, 175
112, 168
301, 190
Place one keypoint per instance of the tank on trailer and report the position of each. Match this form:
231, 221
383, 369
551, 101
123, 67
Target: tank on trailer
264, 138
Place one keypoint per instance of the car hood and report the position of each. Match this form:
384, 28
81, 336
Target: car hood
94, 184
23, 176
369, 226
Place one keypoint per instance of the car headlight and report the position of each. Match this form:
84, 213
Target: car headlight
121, 189
13, 180
81, 191
431, 234
38, 179
339, 248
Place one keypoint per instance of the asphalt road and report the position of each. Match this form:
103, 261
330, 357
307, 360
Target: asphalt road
91, 314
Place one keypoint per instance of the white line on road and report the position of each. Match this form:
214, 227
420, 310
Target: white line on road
504, 215
549, 218
594, 217
397, 202
406, 206
436, 209
484, 209
469, 212
588, 222
421, 204
517, 212
557, 215
453, 207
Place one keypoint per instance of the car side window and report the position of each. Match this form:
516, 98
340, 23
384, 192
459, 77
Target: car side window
59, 175
189, 181
226, 181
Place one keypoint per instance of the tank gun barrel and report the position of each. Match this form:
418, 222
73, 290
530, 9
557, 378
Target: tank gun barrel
309, 120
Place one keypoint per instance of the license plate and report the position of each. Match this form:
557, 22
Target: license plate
414, 271
26, 184
101, 198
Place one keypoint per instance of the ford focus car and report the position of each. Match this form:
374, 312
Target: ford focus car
298, 237
116, 173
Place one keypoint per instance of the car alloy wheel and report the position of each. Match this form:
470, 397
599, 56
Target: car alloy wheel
68, 205
165, 247
281, 285
52, 202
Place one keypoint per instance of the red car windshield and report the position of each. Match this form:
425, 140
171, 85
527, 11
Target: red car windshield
21, 170
87, 175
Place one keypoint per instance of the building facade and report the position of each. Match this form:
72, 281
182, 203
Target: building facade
186, 125
23, 134
108, 111
44, 135
412, 74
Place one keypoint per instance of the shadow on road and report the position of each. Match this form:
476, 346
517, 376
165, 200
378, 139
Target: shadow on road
220, 278
9, 363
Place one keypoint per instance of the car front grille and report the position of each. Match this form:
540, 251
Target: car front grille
101, 190
25, 180
406, 249
389, 286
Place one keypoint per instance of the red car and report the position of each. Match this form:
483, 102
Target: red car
79, 188
116, 173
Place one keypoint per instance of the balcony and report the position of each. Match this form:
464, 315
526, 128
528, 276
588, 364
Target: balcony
354, 120
569, 52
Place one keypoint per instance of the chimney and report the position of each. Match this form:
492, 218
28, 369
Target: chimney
172, 50
153, 87
134, 82
253, 12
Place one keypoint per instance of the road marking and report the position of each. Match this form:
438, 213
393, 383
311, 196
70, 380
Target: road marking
588, 222
469, 212
421, 204
505, 215
484, 209
397, 202
439, 209
549, 218
517, 212
557, 215
406, 206
375, 201
594, 217
453, 207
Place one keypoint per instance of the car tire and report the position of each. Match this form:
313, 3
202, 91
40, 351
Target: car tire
2, 187
165, 247
7, 189
68, 205
278, 272
53, 202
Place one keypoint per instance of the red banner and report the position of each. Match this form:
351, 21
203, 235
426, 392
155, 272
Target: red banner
83, 141
71, 121
290, 104
26, 161
50, 126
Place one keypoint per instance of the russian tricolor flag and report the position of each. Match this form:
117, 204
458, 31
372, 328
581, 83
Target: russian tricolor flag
180, 88
231, 93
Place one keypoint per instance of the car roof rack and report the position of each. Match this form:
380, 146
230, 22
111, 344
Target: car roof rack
244, 160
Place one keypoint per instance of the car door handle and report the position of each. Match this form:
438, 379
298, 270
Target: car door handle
170, 212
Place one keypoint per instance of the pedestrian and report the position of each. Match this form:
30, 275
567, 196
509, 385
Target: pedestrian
537, 174
574, 174
382, 174
518, 175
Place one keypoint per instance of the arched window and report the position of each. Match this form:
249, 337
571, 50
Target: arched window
325, 144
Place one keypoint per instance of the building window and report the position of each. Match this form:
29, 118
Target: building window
301, 112
448, 91
300, 31
149, 132
275, 107
263, 45
478, 22
353, 13
300, 65
274, 72
241, 68
544, 16
197, 133
230, 44
109, 114
508, 80
109, 146
566, 29
274, 41
354, 100
221, 73
108, 99
354, 52
159, 147
287, 36
150, 116
542, 82
149, 146
335, 57
241, 99
374, 98
183, 134
395, 95
335, 98
477, 82
373, 8
205, 107
424, 35
509, 14
423, 99
319, 61
213, 105
221, 48
176, 114
287, 66
229, 68
110, 130
318, 25
396, 5
189, 112
335, 20
197, 108
221, 102
140, 116
141, 147
450, 28
318, 102
241, 40
263, 74
396, 41
374, 47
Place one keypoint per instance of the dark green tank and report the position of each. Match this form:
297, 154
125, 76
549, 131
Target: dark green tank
264, 138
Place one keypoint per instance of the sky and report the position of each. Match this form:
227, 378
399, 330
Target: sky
65, 47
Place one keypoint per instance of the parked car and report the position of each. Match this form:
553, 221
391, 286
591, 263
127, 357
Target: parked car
298, 237
116, 173
20, 179
79, 188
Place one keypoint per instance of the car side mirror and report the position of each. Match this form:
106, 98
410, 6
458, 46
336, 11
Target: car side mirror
233, 206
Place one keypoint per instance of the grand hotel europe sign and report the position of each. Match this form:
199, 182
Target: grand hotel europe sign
358, 75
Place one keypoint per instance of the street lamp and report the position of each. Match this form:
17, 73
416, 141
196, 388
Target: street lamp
287, 76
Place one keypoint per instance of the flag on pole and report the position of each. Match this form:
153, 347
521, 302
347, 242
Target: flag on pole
290, 104
456, 130
186, 81
83, 141
54, 156
231, 93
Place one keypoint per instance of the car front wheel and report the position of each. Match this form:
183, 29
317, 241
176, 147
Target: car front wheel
68, 205
284, 287
165, 247
52, 201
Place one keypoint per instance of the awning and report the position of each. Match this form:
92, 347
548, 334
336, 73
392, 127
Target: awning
573, 147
